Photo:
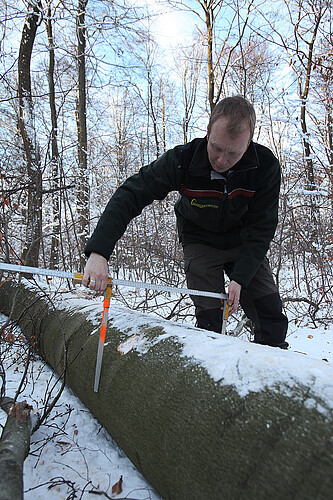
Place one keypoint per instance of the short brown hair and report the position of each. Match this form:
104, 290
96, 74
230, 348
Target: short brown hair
238, 110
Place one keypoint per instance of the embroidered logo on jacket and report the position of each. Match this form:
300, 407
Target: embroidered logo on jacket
202, 205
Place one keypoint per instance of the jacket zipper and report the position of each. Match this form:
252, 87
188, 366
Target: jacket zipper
225, 192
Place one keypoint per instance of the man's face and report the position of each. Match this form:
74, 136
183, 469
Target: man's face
223, 150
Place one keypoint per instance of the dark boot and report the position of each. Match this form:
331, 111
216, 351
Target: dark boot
282, 345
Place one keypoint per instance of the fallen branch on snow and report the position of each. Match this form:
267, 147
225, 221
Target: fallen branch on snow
14, 448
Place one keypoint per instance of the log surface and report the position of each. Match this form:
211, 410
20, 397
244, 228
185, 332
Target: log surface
191, 436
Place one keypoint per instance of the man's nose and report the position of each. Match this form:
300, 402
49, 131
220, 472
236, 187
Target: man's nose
222, 158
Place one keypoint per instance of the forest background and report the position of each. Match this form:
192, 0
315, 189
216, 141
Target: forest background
90, 90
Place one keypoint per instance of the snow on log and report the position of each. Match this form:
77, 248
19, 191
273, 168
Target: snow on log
200, 415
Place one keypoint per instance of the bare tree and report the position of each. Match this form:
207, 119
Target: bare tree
229, 19
252, 69
188, 67
83, 180
55, 157
323, 69
306, 20
28, 133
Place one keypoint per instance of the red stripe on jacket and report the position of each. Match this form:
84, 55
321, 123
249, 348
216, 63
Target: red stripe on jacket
216, 194
242, 192
201, 192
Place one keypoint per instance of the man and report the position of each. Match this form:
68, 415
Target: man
226, 218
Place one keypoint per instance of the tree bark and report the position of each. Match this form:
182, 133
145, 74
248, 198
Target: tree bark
14, 448
55, 157
83, 182
191, 436
28, 133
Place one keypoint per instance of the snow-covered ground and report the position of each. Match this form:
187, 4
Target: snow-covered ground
71, 455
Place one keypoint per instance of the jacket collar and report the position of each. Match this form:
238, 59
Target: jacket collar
200, 164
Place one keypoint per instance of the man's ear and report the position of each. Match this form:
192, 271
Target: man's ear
207, 133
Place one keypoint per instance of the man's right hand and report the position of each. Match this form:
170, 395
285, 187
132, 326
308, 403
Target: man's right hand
234, 292
96, 272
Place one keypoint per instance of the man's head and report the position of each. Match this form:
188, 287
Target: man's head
230, 131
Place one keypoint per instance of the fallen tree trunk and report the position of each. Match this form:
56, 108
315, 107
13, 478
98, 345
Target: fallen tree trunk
200, 415
14, 448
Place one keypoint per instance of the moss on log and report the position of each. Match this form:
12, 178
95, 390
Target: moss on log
191, 436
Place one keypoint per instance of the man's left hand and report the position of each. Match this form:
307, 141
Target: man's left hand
234, 291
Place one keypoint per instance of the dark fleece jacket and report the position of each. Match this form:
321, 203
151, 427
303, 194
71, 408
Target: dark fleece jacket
238, 208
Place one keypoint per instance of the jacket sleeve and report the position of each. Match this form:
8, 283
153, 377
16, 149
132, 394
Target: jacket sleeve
260, 225
152, 182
